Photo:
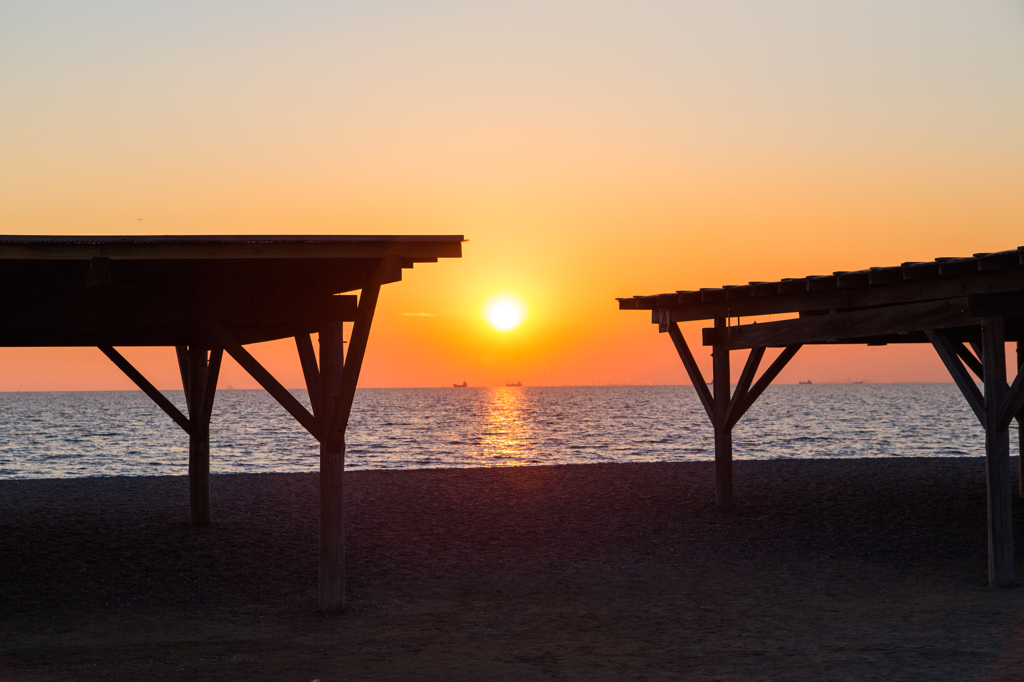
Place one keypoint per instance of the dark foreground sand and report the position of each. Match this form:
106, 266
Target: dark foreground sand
863, 569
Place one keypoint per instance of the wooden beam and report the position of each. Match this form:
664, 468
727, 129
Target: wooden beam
149, 389
836, 326
692, 370
947, 353
310, 371
874, 295
746, 378
265, 379
766, 379
997, 456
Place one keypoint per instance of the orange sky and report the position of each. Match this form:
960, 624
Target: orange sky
586, 150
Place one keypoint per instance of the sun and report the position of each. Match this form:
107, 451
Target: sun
505, 312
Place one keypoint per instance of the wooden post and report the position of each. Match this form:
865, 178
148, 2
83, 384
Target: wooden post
332, 471
723, 430
200, 381
997, 455
1020, 428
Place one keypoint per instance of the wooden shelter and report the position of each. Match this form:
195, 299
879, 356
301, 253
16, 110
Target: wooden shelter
966, 308
206, 295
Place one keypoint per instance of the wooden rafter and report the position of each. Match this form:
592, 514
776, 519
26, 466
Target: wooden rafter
985, 275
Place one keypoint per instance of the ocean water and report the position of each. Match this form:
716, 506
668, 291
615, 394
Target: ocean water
121, 433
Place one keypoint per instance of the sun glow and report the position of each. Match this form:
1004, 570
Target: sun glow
505, 312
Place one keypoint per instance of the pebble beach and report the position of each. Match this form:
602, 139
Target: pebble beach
828, 569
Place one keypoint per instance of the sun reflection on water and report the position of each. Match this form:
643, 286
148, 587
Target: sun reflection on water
506, 432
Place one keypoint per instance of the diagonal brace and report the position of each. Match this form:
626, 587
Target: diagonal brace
265, 379
947, 352
147, 388
766, 379
696, 378
969, 359
205, 408
746, 378
1013, 403
310, 371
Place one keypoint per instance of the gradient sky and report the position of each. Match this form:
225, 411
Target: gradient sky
587, 151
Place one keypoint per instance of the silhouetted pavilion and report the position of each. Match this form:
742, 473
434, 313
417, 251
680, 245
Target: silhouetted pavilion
966, 308
205, 295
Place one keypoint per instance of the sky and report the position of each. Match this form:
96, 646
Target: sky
586, 150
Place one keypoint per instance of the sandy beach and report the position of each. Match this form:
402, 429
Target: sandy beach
829, 569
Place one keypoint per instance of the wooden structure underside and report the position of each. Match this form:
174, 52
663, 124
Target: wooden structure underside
966, 308
210, 295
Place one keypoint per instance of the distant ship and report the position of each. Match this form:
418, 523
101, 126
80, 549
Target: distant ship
462, 385
806, 382
518, 383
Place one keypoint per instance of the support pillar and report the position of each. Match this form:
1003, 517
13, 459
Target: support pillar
723, 429
1020, 429
997, 455
201, 369
332, 472
339, 374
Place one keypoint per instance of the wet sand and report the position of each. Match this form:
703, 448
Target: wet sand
829, 569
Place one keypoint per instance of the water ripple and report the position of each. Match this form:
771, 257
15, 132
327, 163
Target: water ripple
58, 435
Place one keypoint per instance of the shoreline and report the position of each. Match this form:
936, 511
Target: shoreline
828, 569
529, 465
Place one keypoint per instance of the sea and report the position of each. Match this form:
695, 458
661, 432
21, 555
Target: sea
122, 433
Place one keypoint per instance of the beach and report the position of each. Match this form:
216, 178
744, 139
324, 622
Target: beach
828, 569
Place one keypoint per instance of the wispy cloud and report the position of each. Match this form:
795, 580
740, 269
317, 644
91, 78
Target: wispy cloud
419, 314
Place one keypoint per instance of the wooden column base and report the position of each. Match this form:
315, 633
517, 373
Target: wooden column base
332, 530
199, 477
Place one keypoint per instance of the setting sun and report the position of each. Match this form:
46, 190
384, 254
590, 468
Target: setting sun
505, 312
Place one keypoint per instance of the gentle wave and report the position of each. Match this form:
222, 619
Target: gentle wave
121, 433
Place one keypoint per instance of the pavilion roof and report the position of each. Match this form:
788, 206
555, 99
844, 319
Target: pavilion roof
891, 304
164, 290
